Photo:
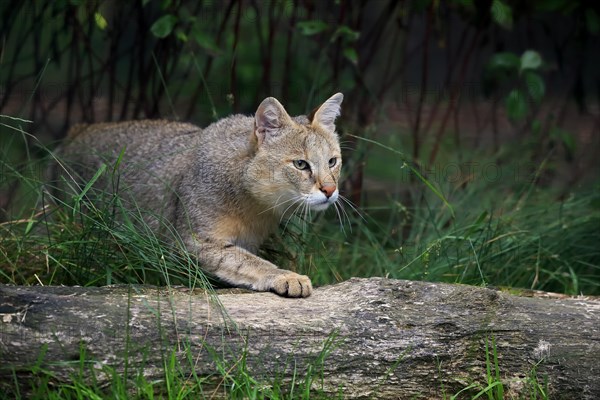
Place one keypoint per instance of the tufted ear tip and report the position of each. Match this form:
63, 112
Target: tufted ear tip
338, 97
326, 115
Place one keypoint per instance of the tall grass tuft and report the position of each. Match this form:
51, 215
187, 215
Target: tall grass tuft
69, 233
501, 232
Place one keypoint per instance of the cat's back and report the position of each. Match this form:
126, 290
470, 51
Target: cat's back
148, 151
147, 136
228, 139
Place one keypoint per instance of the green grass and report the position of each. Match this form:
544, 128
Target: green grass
232, 378
176, 379
493, 388
499, 232
507, 232
536, 245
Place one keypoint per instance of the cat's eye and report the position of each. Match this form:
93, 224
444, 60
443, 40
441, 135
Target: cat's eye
301, 164
332, 162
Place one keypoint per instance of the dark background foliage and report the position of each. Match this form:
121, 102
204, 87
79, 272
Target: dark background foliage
497, 98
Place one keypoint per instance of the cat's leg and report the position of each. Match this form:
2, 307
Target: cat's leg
240, 267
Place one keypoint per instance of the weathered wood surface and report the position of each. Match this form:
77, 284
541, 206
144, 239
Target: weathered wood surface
396, 339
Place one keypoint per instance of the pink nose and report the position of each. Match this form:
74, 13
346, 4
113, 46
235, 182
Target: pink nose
328, 189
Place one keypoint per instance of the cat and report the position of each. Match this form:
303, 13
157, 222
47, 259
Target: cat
224, 188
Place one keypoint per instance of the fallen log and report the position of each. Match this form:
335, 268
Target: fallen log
384, 338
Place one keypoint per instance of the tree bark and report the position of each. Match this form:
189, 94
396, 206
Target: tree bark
383, 338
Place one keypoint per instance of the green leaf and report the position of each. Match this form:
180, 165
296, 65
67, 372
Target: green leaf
502, 14
565, 137
351, 55
592, 21
309, 28
100, 21
203, 40
180, 34
516, 105
530, 59
163, 26
505, 61
535, 86
346, 33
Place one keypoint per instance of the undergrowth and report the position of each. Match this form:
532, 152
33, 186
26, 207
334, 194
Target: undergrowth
177, 378
501, 232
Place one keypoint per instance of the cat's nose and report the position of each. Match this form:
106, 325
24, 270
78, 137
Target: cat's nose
328, 189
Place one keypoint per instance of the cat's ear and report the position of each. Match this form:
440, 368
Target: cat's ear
325, 115
269, 119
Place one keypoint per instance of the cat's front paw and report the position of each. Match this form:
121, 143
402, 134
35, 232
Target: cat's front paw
290, 284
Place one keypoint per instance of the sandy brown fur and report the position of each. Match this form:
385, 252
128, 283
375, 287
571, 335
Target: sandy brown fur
226, 187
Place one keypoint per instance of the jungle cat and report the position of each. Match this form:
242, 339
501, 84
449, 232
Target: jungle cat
224, 188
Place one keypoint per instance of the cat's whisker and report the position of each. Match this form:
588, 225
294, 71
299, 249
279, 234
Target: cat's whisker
354, 208
335, 206
289, 216
277, 204
302, 215
307, 216
343, 209
347, 144
298, 202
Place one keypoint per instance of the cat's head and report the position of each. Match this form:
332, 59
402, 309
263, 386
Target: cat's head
297, 161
